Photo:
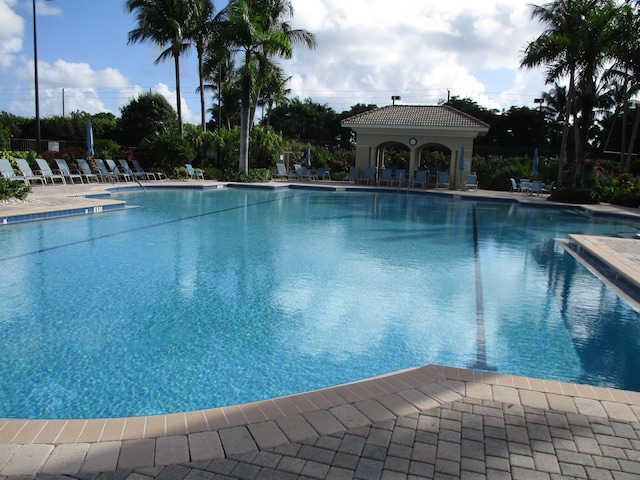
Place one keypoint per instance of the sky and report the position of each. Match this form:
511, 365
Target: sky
367, 51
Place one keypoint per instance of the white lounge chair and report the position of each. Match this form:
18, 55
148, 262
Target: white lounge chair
47, 173
281, 172
138, 169
9, 174
86, 171
126, 176
125, 167
28, 174
64, 169
105, 174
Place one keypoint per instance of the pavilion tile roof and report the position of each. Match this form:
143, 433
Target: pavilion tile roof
416, 116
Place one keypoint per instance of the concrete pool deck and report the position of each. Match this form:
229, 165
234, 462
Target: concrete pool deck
429, 422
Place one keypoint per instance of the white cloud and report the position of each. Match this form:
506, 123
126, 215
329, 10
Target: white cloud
11, 31
67, 74
369, 50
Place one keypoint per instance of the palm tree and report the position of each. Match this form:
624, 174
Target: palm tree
556, 49
204, 26
577, 44
258, 30
165, 23
622, 77
273, 90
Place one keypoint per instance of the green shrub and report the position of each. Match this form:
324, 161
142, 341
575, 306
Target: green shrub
255, 175
169, 151
626, 199
105, 148
212, 173
574, 195
13, 189
180, 173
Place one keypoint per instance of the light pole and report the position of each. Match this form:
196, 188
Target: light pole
539, 101
35, 75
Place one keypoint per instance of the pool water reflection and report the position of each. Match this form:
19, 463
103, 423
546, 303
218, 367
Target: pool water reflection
204, 299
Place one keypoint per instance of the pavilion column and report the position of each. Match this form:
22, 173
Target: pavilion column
373, 157
453, 166
412, 161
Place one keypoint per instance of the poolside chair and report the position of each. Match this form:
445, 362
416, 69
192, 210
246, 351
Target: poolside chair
420, 180
322, 173
28, 174
105, 174
124, 167
281, 172
138, 169
66, 171
385, 176
194, 173
120, 174
47, 173
472, 183
326, 173
301, 172
514, 185
369, 176
9, 174
548, 188
536, 188
433, 174
86, 170
443, 180
524, 186
398, 179
354, 173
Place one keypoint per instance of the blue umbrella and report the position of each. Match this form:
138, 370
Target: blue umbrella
308, 157
462, 158
534, 165
90, 151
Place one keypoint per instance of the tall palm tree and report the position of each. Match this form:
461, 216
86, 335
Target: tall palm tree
556, 49
273, 90
259, 31
204, 26
623, 77
577, 43
165, 23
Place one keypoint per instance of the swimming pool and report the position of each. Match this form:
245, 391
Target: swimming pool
204, 299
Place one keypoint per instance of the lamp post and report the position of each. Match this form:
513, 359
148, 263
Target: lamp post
35, 75
394, 98
539, 101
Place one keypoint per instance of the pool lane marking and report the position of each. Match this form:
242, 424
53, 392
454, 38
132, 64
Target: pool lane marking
481, 339
153, 225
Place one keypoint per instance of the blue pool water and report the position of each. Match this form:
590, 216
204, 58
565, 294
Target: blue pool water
204, 299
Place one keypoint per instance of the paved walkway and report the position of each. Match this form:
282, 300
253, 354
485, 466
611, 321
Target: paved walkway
431, 422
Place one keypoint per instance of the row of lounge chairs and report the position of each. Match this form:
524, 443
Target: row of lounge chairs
388, 177
531, 187
301, 173
401, 178
105, 171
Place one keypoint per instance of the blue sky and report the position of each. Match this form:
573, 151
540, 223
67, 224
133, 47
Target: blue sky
367, 51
